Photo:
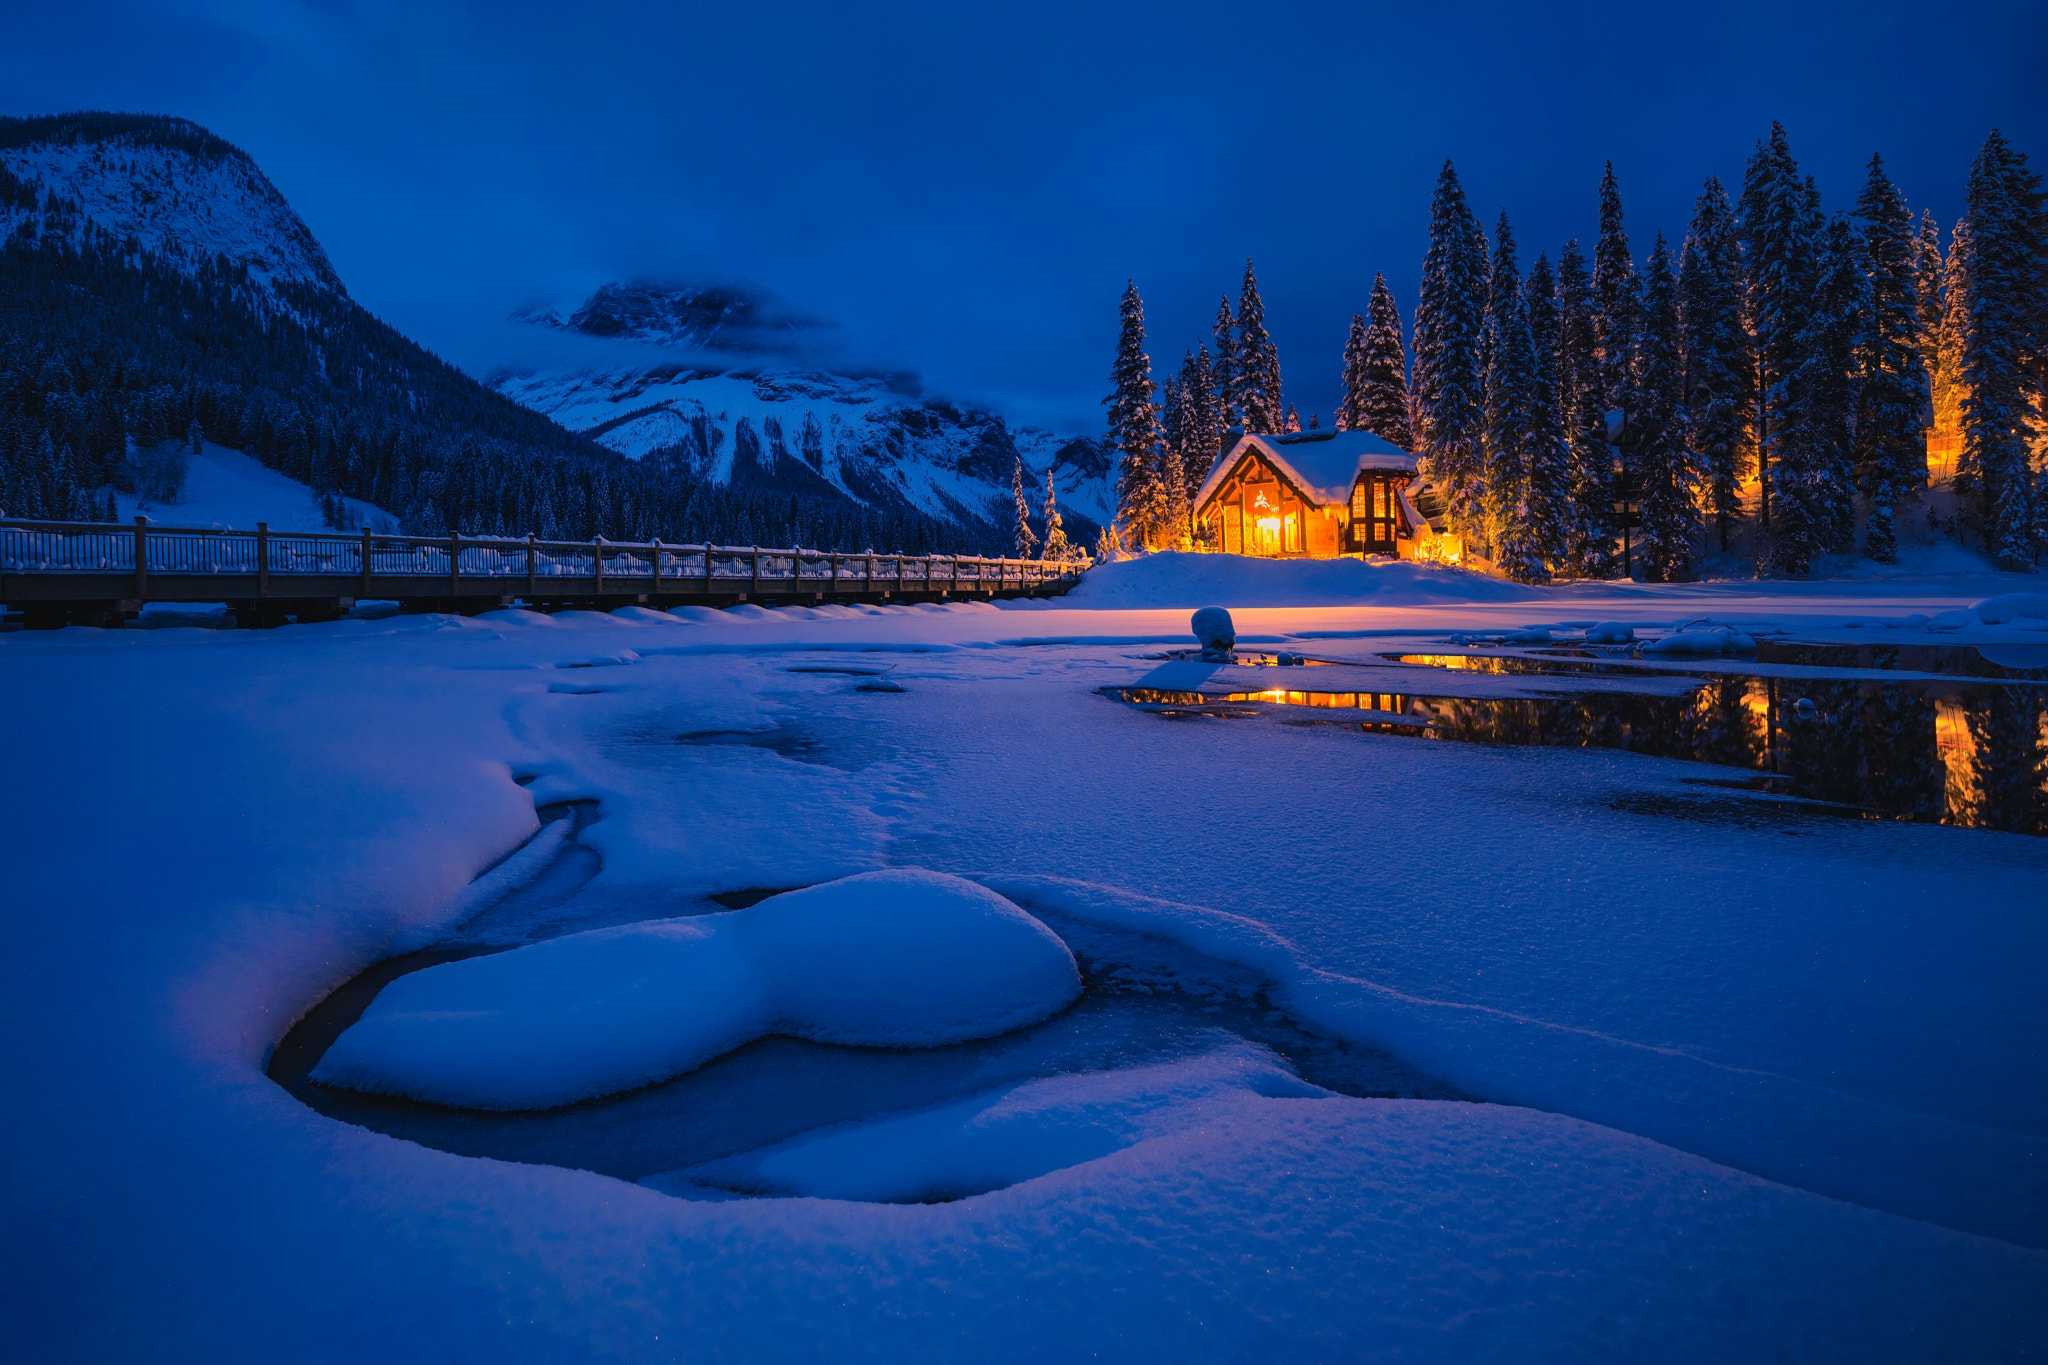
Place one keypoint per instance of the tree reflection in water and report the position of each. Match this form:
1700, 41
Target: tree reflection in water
1941, 752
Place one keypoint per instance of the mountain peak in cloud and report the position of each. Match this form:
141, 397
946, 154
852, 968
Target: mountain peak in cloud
692, 317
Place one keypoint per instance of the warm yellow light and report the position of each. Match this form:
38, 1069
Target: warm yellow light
1270, 524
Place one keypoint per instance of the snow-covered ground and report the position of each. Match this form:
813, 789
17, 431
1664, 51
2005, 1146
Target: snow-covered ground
229, 489
1755, 1089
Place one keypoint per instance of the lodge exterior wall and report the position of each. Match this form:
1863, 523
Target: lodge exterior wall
1259, 510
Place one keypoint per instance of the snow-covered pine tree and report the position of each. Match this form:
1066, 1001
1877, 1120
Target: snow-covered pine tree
1292, 421
1170, 405
1351, 406
1447, 388
1057, 550
1894, 408
1549, 454
1026, 539
2006, 279
1509, 393
1714, 363
1816, 510
1384, 405
1176, 527
1929, 301
1588, 521
1228, 373
1615, 293
1778, 285
1134, 425
1666, 471
1955, 336
1201, 419
1258, 363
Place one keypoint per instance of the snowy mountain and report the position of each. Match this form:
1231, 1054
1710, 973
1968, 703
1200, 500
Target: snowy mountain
771, 423
169, 186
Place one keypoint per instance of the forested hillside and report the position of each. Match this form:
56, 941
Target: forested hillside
127, 322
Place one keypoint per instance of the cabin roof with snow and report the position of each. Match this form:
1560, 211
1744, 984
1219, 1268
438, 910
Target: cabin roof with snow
1322, 464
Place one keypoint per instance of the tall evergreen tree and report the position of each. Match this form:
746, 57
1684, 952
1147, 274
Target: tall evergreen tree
1955, 336
1666, 470
1384, 370
2005, 277
1257, 361
1589, 525
1447, 385
1134, 424
1056, 547
1616, 294
1351, 405
1894, 407
1201, 419
1714, 363
1778, 286
1549, 458
1506, 442
1026, 539
1228, 372
1816, 505
1929, 297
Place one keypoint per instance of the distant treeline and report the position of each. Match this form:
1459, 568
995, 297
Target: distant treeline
107, 353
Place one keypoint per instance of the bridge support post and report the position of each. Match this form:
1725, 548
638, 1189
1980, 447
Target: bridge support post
141, 560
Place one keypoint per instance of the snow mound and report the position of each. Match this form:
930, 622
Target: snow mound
2012, 606
1001, 1137
1711, 640
1187, 580
902, 958
1610, 633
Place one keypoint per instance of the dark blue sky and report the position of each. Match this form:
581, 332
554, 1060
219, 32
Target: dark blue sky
966, 188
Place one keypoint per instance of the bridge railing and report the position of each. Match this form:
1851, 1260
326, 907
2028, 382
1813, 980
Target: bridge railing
145, 551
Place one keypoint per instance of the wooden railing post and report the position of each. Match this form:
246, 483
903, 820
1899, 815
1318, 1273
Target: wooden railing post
707, 568
531, 568
869, 583
454, 563
365, 565
657, 566
263, 559
597, 567
755, 589
141, 559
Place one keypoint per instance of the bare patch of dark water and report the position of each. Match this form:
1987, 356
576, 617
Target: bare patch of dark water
1966, 752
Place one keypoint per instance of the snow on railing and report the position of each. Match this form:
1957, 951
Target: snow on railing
32, 547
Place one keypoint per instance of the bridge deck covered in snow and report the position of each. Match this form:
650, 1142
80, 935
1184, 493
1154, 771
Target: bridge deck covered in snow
54, 572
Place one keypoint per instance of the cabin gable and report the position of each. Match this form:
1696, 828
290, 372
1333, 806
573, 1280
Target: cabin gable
1254, 505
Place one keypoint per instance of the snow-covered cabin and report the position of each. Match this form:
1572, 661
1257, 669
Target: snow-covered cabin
1311, 495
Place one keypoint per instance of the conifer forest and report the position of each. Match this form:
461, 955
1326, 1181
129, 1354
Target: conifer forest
1789, 379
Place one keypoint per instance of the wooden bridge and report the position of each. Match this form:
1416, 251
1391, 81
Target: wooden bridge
58, 573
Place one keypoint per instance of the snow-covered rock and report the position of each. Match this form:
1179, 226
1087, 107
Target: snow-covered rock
902, 958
